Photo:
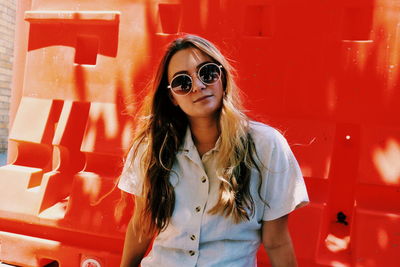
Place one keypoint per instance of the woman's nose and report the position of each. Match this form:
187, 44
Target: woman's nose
198, 84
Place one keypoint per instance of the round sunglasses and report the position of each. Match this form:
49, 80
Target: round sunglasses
209, 73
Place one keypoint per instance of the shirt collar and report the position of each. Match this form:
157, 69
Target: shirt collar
188, 144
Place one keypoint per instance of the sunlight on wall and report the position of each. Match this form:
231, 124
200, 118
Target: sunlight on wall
328, 166
383, 238
203, 13
41, 243
90, 139
357, 55
387, 161
331, 95
91, 187
126, 135
306, 171
388, 54
105, 113
336, 244
56, 212
338, 264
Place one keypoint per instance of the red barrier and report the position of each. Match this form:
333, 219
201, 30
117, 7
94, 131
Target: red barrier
324, 72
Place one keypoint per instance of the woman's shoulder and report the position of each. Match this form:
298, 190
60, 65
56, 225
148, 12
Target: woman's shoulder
136, 152
263, 133
271, 145
267, 138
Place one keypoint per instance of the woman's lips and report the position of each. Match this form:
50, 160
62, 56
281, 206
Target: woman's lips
201, 98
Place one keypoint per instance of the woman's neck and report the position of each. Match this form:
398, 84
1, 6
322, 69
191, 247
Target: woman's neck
205, 133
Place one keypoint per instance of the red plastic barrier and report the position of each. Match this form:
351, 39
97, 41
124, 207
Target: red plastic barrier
324, 72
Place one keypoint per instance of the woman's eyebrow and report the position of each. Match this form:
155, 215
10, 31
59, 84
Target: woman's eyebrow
180, 72
202, 64
197, 68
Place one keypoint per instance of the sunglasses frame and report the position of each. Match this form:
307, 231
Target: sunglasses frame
198, 76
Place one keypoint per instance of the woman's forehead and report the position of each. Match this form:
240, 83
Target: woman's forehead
186, 60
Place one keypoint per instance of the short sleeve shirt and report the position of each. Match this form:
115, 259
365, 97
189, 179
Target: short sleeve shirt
196, 238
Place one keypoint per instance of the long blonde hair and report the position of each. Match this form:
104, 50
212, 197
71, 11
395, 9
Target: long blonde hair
161, 127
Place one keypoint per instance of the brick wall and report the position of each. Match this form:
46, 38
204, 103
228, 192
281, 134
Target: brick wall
7, 28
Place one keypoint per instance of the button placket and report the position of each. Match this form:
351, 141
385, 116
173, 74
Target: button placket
198, 208
193, 234
193, 231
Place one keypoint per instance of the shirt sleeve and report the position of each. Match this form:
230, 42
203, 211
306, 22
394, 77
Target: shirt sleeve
285, 187
131, 179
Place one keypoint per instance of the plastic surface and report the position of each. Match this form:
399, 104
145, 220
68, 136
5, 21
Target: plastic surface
326, 73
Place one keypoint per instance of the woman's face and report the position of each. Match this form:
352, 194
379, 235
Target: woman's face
204, 100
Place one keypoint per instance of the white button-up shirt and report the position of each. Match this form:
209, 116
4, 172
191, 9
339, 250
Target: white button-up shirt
196, 238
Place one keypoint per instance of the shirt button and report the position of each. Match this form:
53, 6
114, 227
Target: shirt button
193, 237
191, 252
203, 180
198, 208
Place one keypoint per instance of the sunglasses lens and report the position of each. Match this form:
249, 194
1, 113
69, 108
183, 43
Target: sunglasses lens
181, 84
209, 73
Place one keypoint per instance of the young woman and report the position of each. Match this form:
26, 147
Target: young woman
210, 185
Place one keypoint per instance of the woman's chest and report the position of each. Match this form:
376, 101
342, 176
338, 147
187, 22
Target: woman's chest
197, 191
